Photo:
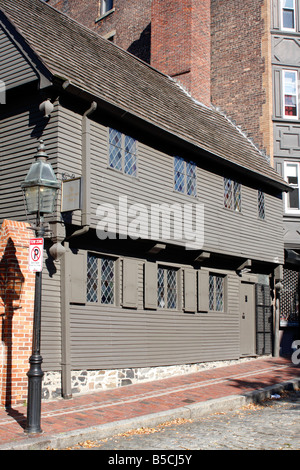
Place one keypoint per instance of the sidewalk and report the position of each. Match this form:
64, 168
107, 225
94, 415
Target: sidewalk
104, 414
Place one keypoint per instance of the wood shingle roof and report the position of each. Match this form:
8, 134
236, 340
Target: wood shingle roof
94, 65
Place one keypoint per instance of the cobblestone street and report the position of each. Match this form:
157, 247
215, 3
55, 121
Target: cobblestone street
273, 425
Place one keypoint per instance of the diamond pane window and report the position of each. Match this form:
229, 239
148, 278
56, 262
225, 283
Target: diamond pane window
115, 149
232, 195
107, 281
160, 288
191, 179
130, 156
92, 279
185, 180
228, 193
219, 293
167, 288
211, 296
100, 279
171, 288
261, 204
179, 174
122, 152
237, 196
216, 293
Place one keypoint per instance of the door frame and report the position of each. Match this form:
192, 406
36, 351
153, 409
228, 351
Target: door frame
251, 322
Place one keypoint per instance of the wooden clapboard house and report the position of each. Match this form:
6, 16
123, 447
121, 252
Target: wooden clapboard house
123, 287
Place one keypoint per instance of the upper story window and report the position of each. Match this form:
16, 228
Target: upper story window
288, 15
185, 180
232, 195
291, 174
261, 205
122, 152
106, 5
290, 95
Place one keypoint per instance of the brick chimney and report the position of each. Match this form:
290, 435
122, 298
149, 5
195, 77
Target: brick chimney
180, 43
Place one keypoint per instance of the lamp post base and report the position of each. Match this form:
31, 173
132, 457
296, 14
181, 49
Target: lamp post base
35, 377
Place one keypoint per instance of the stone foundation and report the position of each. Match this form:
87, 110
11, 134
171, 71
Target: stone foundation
87, 381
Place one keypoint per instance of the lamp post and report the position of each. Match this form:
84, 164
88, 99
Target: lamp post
40, 187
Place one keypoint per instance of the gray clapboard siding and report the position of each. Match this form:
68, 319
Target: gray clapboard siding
18, 146
225, 231
15, 70
104, 336
51, 317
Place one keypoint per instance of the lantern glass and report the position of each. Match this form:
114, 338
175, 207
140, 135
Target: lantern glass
40, 185
40, 199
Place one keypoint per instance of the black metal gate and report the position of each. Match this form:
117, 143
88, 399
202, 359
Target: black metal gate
264, 320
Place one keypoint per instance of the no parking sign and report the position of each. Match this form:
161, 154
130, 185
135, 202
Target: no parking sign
35, 259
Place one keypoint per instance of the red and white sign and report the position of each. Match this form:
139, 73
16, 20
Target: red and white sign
36, 249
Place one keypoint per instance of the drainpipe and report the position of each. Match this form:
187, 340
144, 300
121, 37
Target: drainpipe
65, 263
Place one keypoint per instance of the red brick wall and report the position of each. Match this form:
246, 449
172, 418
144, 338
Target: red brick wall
16, 311
201, 51
180, 43
237, 65
131, 22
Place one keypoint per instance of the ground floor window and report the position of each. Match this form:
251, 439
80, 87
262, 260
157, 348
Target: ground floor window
166, 287
100, 279
216, 292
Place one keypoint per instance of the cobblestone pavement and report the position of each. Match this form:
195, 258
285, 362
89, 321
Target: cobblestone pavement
273, 425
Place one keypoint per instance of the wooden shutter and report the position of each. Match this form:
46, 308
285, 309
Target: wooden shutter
130, 283
150, 285
203, 290
190, 290
78, 275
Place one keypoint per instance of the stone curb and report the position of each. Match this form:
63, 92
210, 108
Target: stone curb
193, 411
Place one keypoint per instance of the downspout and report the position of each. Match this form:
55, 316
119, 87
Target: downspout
65, 273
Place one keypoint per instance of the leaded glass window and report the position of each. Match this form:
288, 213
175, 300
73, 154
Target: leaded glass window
216, 292
122, 152
261, 204
185, 180
232, 195
130, 156
167, 288
92, 279
100, 279
107, 281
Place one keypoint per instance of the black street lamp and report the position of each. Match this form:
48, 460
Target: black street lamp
40, 188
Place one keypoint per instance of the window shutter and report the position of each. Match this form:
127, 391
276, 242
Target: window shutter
203, 290
130, 283
150, 285
190, 290
78, 274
